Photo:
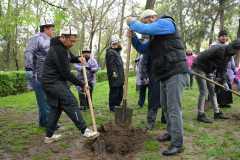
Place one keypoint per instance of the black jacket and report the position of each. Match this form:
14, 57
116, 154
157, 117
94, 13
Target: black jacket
216, 57
57, 71
114, 64
167, 54
153, 86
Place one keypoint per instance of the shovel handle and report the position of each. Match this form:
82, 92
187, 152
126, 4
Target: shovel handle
217, 84
127, 69
89, 99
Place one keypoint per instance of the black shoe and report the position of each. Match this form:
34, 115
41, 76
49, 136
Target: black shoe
202, 118
186, 88
220, 115
149, 126
190, 87
225, 106
172, 150
165, 137
163, 120
89, 108
138, 107
83, 108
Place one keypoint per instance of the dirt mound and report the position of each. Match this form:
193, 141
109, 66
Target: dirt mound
120, 142
236, 117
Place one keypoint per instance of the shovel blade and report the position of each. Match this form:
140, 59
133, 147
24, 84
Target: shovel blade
123, 115
99, 147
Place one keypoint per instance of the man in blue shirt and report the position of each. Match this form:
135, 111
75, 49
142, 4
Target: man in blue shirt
169, 67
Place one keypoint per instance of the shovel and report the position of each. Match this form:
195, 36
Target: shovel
99, 146
209, 80
123, 114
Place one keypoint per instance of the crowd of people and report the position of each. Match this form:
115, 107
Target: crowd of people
163, 68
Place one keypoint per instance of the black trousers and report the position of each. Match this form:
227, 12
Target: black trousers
84, 99
152, 114
115, 97
68, 103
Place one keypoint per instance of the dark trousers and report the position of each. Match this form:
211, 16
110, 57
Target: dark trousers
142, 95
191, 81
152, 114
115, 97
84, 99
68, 103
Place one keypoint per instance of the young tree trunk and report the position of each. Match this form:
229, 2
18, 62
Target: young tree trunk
221, 5
212, 28
237, 57
122, 19
150, 4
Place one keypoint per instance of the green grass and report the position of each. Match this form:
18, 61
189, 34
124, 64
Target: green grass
219, 140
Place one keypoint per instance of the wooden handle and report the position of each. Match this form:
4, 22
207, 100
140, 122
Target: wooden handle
89, 99
209, 80
127, 69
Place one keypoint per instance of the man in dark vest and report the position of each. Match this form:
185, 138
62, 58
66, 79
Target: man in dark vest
115, 72
56, 73
169, 67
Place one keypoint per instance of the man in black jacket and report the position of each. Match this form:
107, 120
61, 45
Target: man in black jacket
115, 71
56, 73
216, 57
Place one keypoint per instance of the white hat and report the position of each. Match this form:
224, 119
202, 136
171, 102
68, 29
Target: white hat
69, 30
46, 22
147, 12
86, 49
115, 39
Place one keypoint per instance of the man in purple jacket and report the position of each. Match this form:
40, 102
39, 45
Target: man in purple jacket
34, 57
91, 69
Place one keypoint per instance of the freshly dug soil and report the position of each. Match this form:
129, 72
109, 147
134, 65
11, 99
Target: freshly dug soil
120, 142
236, 117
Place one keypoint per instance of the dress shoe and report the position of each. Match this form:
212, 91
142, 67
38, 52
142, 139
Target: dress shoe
202, 118
191, 88
83, 108
186, 88
57, 126
149, 126
172, 150
220, 115
225, 106
138, 107
165, 137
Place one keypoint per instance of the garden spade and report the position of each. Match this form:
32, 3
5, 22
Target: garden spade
209, 80
123, 114
99, 146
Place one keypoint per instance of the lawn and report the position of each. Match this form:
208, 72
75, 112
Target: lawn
21, 138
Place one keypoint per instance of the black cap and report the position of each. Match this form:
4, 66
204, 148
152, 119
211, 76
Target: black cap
222, 32
144, 37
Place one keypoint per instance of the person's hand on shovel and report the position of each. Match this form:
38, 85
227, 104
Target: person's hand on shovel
190, 71
225, 85
130, 33
82, 60
85, 89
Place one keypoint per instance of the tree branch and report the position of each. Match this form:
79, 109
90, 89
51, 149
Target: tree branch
65, 9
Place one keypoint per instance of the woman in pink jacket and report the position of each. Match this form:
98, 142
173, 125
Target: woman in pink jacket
237, 78
190, 56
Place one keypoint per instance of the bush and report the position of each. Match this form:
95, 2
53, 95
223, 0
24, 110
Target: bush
14, 82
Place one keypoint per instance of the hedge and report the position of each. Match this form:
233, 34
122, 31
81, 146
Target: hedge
14, 82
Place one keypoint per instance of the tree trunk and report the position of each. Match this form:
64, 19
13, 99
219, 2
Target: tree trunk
237, 57
150, 4
122, 19
212, 28
181, 23
221, 5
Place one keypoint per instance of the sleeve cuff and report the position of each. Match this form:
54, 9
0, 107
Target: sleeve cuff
28, 69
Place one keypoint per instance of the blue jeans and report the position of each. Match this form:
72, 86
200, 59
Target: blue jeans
142, 95
171, 91
43, 107
238, 84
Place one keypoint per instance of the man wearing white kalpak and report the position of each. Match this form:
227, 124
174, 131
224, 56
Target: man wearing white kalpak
34, 57
56, 73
